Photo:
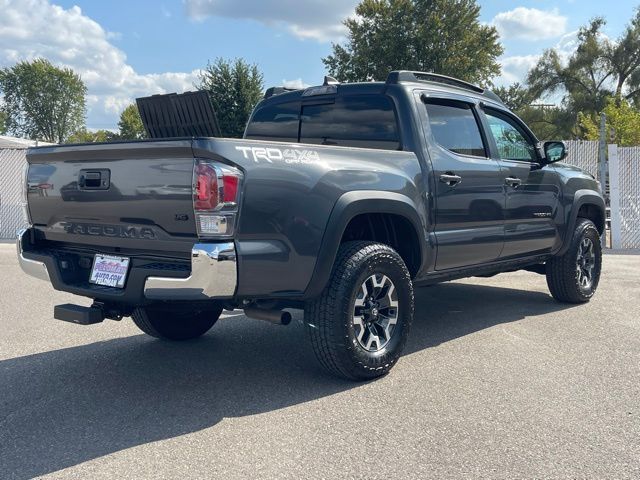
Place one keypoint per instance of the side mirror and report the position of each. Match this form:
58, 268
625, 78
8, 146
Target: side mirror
555, 151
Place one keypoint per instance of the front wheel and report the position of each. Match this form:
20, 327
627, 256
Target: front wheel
360, 323
574, 276
176, 322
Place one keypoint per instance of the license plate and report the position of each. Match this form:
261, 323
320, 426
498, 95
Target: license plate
109, 271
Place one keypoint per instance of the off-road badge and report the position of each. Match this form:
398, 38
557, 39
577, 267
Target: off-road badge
287, 155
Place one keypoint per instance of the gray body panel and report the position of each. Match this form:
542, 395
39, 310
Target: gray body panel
285, 205
297, 200
150, 183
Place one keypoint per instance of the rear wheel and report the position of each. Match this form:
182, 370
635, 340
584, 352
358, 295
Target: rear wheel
574, 276
360, 323
176, 322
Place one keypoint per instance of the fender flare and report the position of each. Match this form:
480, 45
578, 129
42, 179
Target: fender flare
348, 206
581, 197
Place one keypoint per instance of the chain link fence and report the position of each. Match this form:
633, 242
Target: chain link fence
583, 154
624, 167
12, 218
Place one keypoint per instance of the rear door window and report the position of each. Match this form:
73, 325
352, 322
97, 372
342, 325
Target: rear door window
276, 123
366, 121
454, 126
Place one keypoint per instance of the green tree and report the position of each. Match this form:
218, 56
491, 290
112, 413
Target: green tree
597, 70
515, 96
441, 36
235, 87
3, 122
623, 58
584, 81
42, 101
548, 121
86, 136
130, 124
623, 123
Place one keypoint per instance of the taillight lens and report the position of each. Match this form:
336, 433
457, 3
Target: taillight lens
206, 194
216, 191
230, 192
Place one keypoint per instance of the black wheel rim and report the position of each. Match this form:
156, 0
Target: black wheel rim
375, 312
586, 263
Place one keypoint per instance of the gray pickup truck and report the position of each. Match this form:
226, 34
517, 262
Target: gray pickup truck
339, 200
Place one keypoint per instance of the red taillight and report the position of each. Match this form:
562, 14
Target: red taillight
216, 188
206, 195
230, 183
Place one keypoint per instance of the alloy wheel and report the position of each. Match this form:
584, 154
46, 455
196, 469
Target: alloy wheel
375, 312
585, 263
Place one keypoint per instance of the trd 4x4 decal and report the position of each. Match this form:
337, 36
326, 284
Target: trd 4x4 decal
288, 155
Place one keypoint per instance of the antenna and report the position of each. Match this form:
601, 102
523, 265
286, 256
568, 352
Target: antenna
330, 81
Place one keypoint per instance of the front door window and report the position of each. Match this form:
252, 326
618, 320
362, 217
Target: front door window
511, 141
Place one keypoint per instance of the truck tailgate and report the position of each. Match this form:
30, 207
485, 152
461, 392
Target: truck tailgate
129, 196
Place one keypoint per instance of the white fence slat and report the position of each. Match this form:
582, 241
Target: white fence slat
629, 196
614, 197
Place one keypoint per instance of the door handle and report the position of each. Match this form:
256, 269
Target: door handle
450, 179
513, 182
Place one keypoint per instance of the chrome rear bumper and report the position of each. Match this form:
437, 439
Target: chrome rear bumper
30, 267
214, 274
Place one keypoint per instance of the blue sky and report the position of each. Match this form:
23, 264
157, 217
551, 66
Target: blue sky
125, 49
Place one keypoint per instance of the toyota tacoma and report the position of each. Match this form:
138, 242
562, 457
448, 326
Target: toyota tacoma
339, 200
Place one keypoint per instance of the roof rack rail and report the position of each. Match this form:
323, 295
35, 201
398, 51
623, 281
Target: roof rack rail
277, 91
493, 96
407, 76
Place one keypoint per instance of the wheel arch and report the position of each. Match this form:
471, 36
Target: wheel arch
586, 204
350, 208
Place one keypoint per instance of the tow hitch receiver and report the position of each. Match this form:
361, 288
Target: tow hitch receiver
78, 314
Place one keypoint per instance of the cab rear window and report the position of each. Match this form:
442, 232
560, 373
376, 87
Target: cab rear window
366, 121
276, 123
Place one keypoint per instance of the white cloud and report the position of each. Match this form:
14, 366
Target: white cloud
515, 68
567, 45
36, 28
315, 19
297, 84
530, 23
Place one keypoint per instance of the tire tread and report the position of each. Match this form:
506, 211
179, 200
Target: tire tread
323, 318
561, 270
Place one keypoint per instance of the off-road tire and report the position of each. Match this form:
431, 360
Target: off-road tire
329, 319
563, 272
171, 322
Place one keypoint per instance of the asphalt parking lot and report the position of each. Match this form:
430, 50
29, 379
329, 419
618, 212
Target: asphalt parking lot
498, 381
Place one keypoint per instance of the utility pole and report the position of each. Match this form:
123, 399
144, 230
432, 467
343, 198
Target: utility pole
602, 166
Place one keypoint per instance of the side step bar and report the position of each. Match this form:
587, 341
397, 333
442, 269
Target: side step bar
78, 314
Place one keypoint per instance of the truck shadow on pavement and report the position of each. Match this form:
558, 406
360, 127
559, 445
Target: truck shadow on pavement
64, 407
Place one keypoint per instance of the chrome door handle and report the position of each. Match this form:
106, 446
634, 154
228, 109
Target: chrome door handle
513, 182
450, 179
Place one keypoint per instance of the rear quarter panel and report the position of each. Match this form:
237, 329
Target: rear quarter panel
289, 193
